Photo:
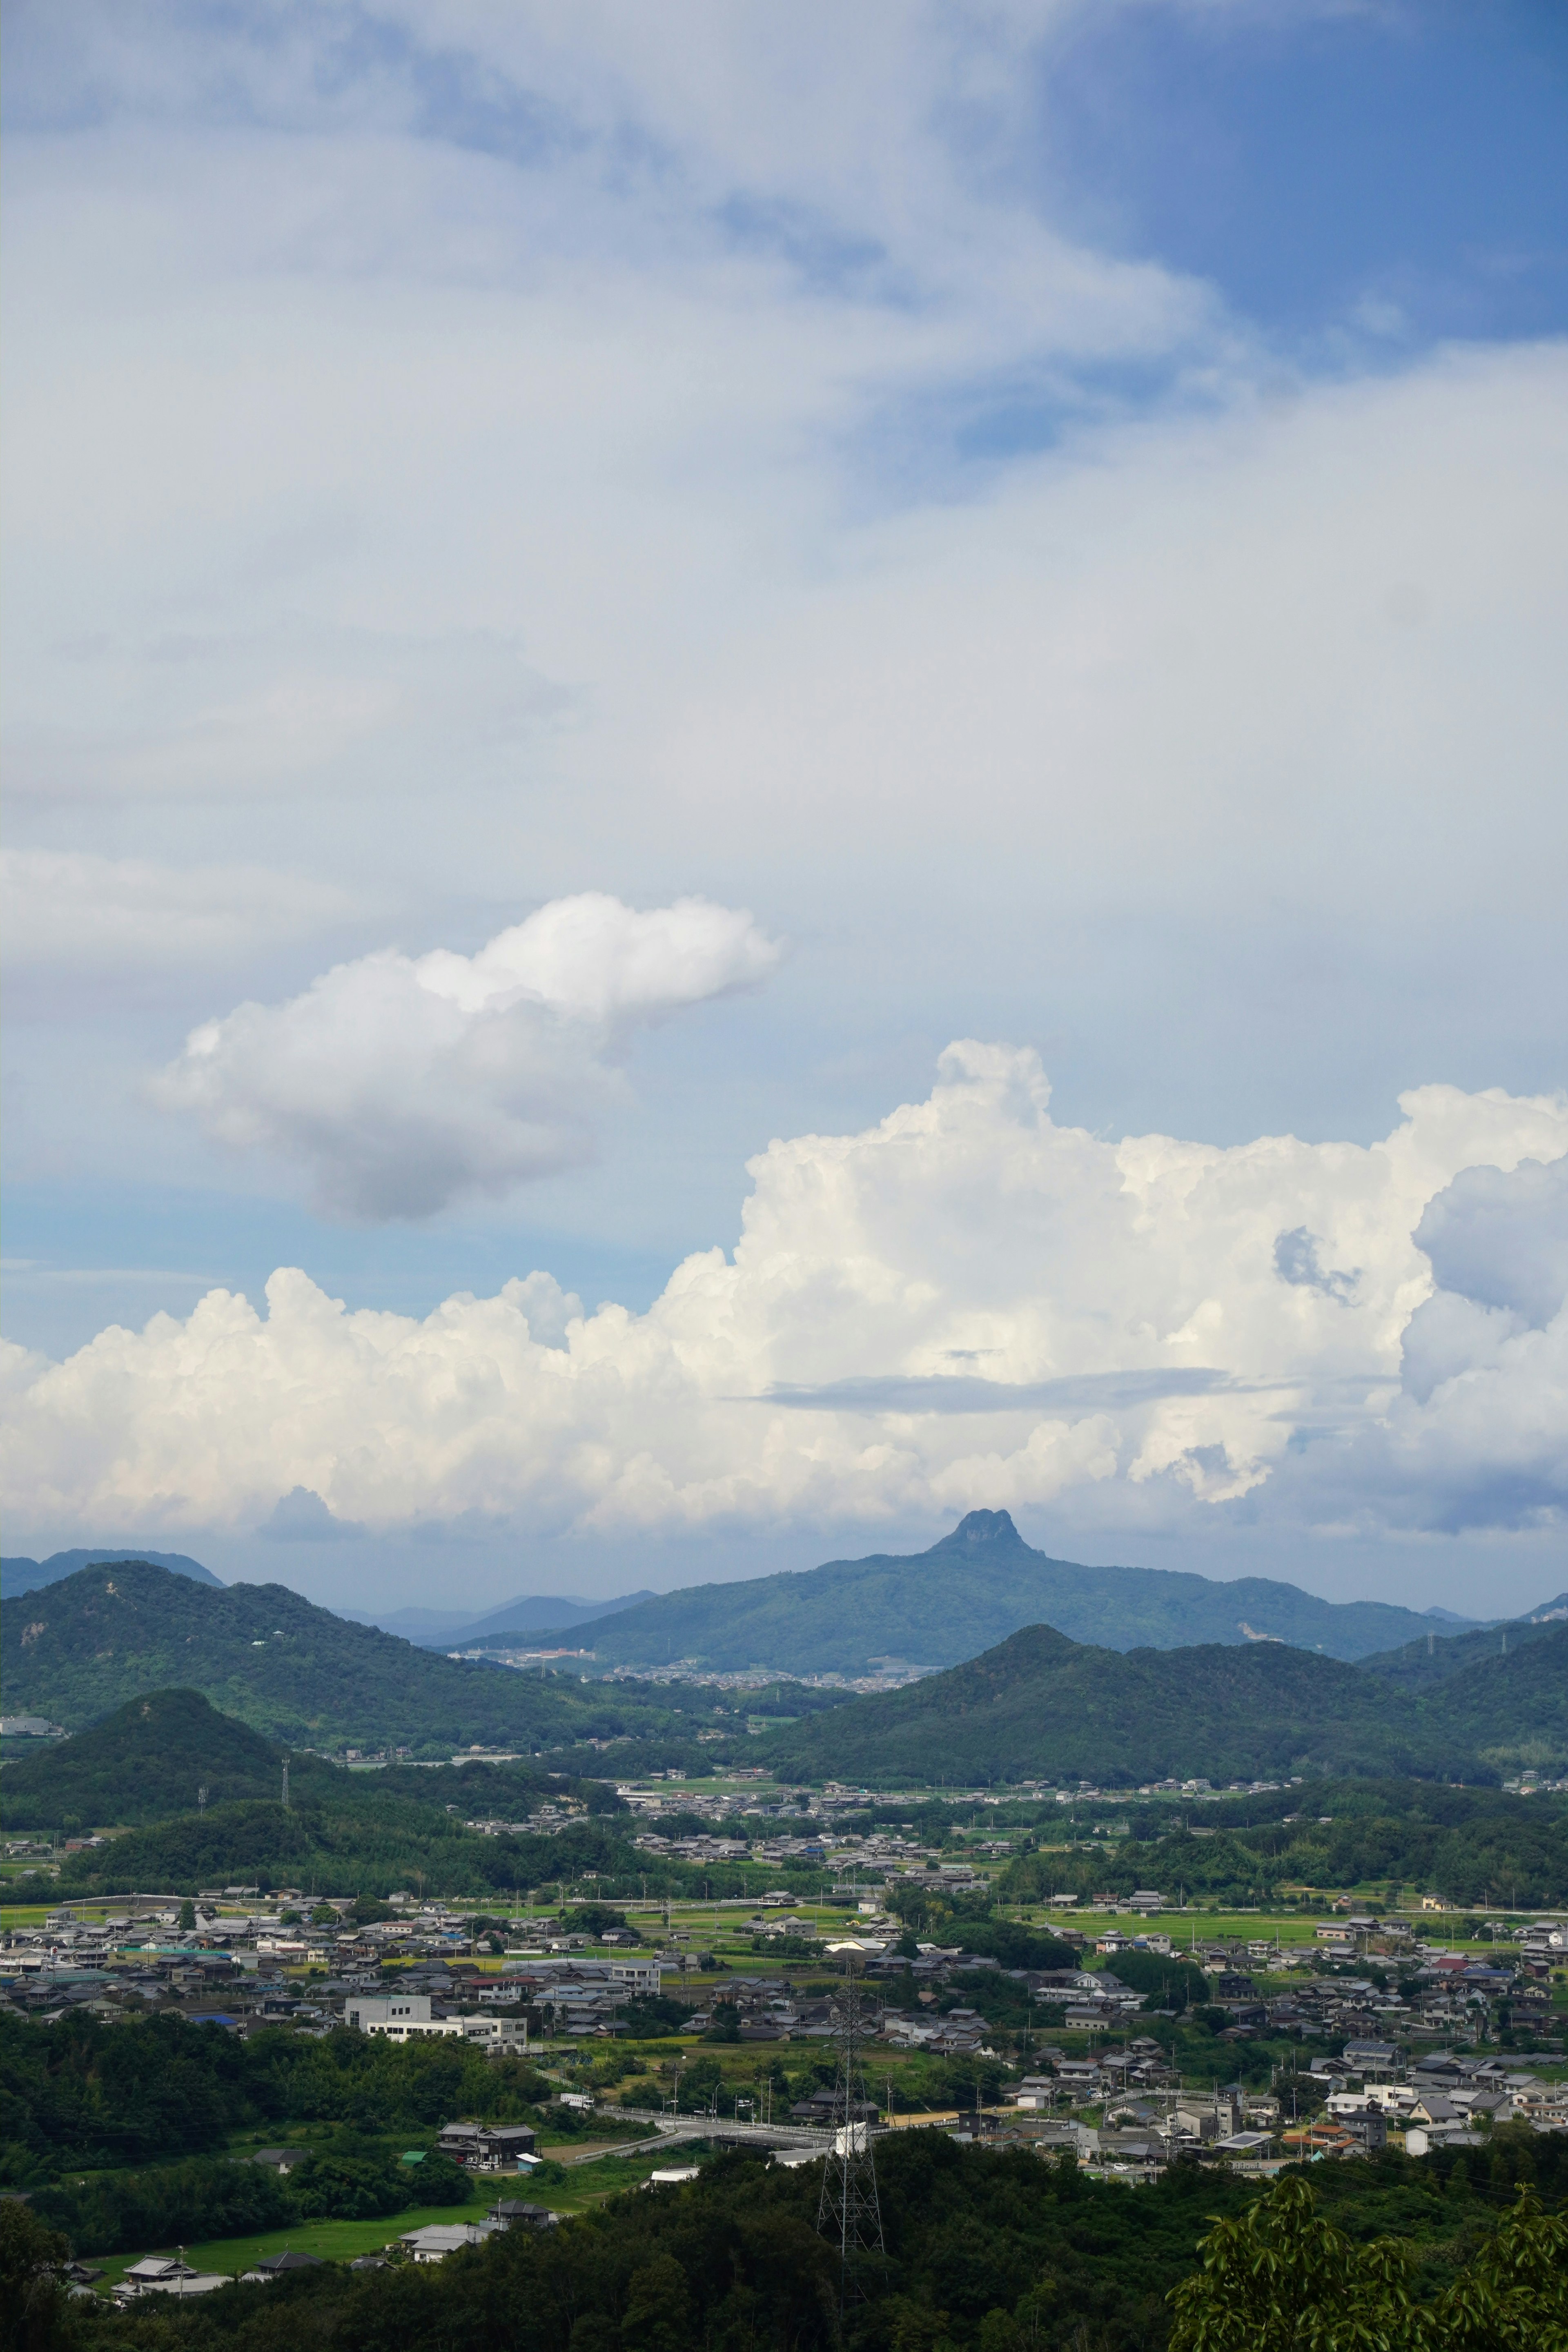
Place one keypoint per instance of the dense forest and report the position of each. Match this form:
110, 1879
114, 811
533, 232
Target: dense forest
81, 2093
1039, 1706
82, 1648
1473, 1846
998, 2251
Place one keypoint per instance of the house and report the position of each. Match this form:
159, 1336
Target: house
513, 2213
272, 2266
280, 2160
1245, 2147
162, 2275
498, 2037
487, 2147
400, 2016
437, 2240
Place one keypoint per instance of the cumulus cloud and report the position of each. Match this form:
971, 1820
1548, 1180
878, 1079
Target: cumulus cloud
1129, 1294
399, 1082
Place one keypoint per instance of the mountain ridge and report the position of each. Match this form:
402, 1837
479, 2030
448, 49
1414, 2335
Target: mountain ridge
1041, 1705
19, 1575
970, 1589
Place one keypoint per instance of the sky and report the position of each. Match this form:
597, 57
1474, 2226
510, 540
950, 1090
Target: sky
771, 772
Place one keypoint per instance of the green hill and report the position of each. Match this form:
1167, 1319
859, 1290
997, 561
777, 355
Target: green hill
144, 1761
343, 1832
1513, 1710
87, 1645
1434, 1658
968, 1592
1040, 1707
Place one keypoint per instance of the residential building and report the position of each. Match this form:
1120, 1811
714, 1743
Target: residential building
400, 2016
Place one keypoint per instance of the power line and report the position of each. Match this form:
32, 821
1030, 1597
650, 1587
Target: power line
848, 2209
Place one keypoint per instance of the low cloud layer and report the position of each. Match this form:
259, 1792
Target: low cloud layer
1324, 1334
399, 1083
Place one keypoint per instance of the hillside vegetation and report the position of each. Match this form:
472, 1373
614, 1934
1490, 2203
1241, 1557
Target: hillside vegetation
1040, 1707
968, 1592
1425, 1663
350, 1833
1472, 1846
19, 1575
82, 1648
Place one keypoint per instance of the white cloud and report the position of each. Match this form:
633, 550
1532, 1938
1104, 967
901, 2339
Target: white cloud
70, 910
1131, 1291
399, 1083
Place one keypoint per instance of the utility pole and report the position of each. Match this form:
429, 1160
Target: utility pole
848, 2209
285, 1784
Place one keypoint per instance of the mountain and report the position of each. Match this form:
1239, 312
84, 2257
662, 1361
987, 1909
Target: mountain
365, 1832
441, 1629
1041, 1706
1513, 1709
83, 1647
18, 1575
970, 1590
1436, 1657
144, 1762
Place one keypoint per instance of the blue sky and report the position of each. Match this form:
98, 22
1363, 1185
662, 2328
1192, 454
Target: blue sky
1051, 517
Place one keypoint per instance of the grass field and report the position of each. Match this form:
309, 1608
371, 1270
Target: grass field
588, 2184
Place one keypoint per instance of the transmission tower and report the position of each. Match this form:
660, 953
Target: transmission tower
848, 2214
285, 1784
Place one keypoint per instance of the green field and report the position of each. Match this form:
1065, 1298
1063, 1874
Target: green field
587, 2185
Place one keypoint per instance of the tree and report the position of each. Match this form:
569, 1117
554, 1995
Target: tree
187, 1917
1513, 2297
1280, 2279
33, 2312
658, 2308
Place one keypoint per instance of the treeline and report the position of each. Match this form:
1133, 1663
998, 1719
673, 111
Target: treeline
994, 2249
210, 2197
84, 2095
1474, 1846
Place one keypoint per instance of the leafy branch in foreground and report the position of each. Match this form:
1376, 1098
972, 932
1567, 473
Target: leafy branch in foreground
1281, 2278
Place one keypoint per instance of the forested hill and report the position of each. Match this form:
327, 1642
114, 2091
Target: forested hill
972, 1589
1039, 1706
18, 1575
87, 1645
1432, 1659
147, 1759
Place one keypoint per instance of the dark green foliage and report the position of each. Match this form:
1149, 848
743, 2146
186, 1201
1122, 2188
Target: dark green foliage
84, 2095
144, 1761
35, 2316
1433, 1658
1281, 2276
356, 1848
219, 2196
995, 2250
369, 1832
205, 2197
1512, 1710
972, 1589
1472, 1845
1165, 1983
1039, 1706
103, 1637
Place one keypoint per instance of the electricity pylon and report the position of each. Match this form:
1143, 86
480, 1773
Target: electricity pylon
848, 2214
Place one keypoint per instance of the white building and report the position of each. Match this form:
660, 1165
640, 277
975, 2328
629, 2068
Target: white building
400, 2016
